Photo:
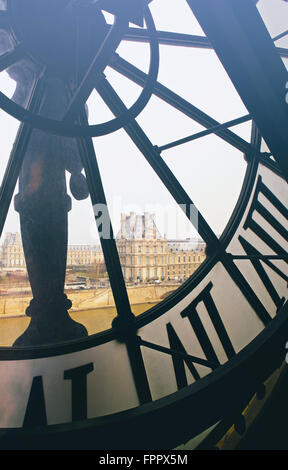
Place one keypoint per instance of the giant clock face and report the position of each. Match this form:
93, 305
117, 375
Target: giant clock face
197, 358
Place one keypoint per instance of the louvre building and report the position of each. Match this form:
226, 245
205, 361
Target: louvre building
146, 255
12, 254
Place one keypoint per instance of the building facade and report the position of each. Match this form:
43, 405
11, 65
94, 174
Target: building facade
12, 254
181, 264
84, 255
141, 248
146, 255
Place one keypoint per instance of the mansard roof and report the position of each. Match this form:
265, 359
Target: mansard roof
137, 226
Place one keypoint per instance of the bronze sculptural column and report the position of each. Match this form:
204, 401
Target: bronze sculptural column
43, 205
57, 37
72, 43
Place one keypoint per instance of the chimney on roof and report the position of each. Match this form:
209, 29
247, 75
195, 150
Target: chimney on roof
132, 221
123, 225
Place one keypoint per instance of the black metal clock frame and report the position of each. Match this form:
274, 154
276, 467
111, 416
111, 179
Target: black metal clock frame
164, 423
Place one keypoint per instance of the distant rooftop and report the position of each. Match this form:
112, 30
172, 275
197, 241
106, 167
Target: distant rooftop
84, 247
12, 239
185, 244
135, 226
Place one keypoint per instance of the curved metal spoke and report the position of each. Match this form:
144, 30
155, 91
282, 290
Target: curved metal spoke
136, 75
11, 57
169, 38
113, 265
280, 36
153, 157
184, 40
257, 66
102, 217
212, 130
17, 155
108, 47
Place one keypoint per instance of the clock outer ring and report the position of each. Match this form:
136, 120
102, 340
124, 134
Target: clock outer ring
165, 423
95, 130
241, 375
10, 353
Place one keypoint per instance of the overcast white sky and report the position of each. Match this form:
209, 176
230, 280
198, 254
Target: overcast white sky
210, 170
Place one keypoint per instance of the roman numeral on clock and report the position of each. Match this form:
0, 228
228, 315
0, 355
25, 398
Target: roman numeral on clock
177, 349
211, 357
255, 255
252, 253
257, 206
197, 325
178, 362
